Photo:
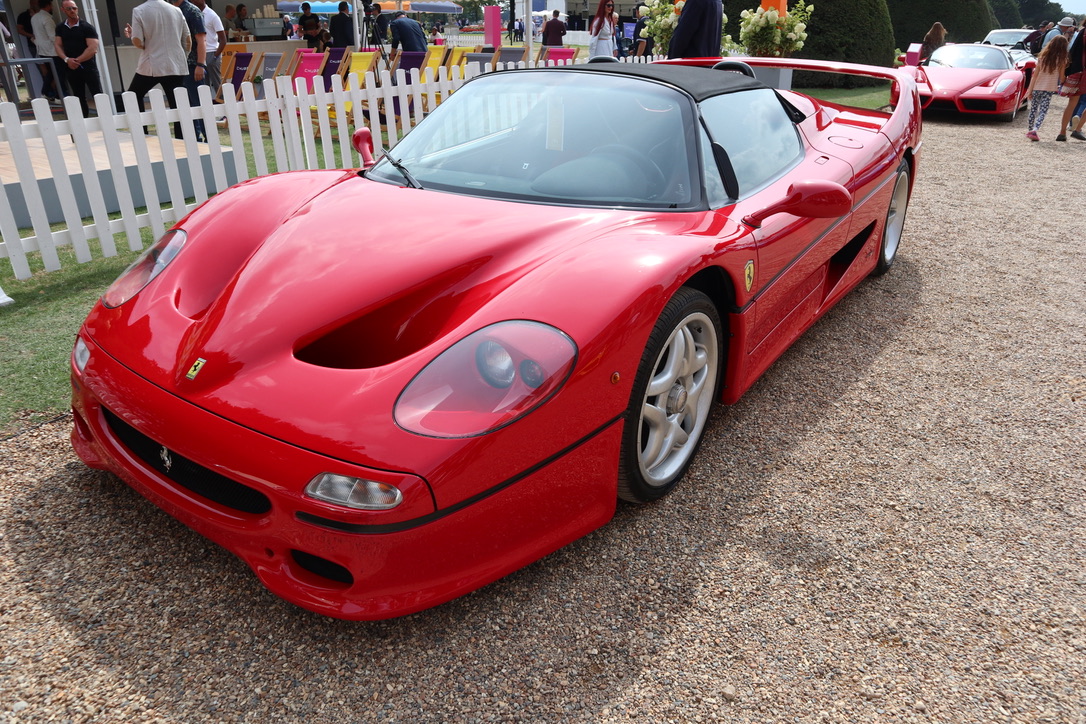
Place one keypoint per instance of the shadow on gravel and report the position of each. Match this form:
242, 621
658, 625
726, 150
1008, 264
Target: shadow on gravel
180, 620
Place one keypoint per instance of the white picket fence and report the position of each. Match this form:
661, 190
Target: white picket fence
278, 124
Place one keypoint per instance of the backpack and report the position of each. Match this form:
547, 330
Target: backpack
1035, 41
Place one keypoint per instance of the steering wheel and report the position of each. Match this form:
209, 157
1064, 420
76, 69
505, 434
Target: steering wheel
654, 177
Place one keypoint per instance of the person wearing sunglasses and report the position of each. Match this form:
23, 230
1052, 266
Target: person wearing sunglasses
601, 30
697, 35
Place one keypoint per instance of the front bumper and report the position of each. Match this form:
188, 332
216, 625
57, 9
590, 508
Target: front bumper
243, 490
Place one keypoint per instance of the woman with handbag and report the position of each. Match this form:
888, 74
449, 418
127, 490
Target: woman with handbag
1073, 87
601, 30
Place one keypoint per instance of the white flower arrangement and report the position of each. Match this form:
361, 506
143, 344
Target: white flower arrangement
769, 33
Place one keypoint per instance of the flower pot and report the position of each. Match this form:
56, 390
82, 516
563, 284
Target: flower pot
779, 78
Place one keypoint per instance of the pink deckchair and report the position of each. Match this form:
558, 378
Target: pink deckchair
309, 67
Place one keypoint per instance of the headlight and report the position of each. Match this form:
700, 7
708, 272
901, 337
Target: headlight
81, 354
487, 380
148, 266
1003, 85
354, 492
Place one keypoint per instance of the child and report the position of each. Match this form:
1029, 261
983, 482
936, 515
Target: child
1046, 80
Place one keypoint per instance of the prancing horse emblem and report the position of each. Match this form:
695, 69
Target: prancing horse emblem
199, 364
167, 461
748, 274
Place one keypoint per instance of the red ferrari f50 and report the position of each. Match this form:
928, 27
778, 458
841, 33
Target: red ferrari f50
394, 385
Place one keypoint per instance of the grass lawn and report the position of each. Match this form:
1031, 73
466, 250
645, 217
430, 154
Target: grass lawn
37, 332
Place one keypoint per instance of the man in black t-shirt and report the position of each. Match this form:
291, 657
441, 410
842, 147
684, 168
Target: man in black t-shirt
77, 44
309, 25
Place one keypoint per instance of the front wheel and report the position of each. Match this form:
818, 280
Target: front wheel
673, 393
895, 220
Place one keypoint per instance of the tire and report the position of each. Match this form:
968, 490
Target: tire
672, 395
895, 220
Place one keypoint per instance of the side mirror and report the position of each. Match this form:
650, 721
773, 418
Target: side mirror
814, 198
362, 140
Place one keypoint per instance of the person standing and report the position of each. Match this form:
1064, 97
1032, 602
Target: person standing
77, 44
697, 34
159, 30
643, 42
241, 22
1065, 27
554, 30
45, 35
601, 30
309, 25
229, 20
935, 38
380, 25
408, 32
196, 74
288, 27
1072, 88
214, 44
1045, 81
342, 27
24, 26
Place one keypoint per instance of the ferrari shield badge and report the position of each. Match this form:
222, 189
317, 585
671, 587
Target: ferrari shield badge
200, 362
748, 274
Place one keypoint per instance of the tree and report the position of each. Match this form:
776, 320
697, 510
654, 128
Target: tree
966, 21
1035, 12
855, 31
1006, 13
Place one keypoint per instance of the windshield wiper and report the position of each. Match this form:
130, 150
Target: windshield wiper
411, 180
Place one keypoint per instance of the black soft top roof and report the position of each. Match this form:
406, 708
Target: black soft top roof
699, 82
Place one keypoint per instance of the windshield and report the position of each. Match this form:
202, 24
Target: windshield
970, 56
1006, 37
556, 137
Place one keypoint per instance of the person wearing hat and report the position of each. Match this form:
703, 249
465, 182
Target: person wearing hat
1065, 26
408, 32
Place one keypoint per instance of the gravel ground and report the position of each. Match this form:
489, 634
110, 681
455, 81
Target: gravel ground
889, 527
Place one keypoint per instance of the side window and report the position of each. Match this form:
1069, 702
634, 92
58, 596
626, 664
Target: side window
714, 185
754, 129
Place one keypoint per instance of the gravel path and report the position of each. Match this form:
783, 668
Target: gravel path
889, 527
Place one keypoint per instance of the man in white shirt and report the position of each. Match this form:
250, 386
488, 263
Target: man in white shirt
159, 30
215, 43
45, 34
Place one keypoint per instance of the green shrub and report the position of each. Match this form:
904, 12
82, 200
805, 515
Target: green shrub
966, 21
855, 31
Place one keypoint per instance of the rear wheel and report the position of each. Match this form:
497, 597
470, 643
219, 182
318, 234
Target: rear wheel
895, 220
673, 393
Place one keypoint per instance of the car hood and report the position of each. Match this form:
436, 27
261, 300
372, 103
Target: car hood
956, 80
311, 320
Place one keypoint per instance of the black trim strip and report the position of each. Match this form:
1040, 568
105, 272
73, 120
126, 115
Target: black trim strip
365, 529
814, 243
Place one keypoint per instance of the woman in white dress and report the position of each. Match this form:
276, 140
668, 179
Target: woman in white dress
602, 30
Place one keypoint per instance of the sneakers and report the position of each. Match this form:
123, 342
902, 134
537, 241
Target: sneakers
1032, 135
1074, 122
1061, 137
1078, 135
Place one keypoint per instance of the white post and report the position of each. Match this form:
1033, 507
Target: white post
99, 57
5, 300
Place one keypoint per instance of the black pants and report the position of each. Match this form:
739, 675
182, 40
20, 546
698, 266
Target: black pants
81, 80
142, 83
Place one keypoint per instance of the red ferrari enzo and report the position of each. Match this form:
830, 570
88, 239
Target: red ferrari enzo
394, 385
974, 78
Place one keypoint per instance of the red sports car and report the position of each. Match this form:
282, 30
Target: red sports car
974, 78
390, 386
